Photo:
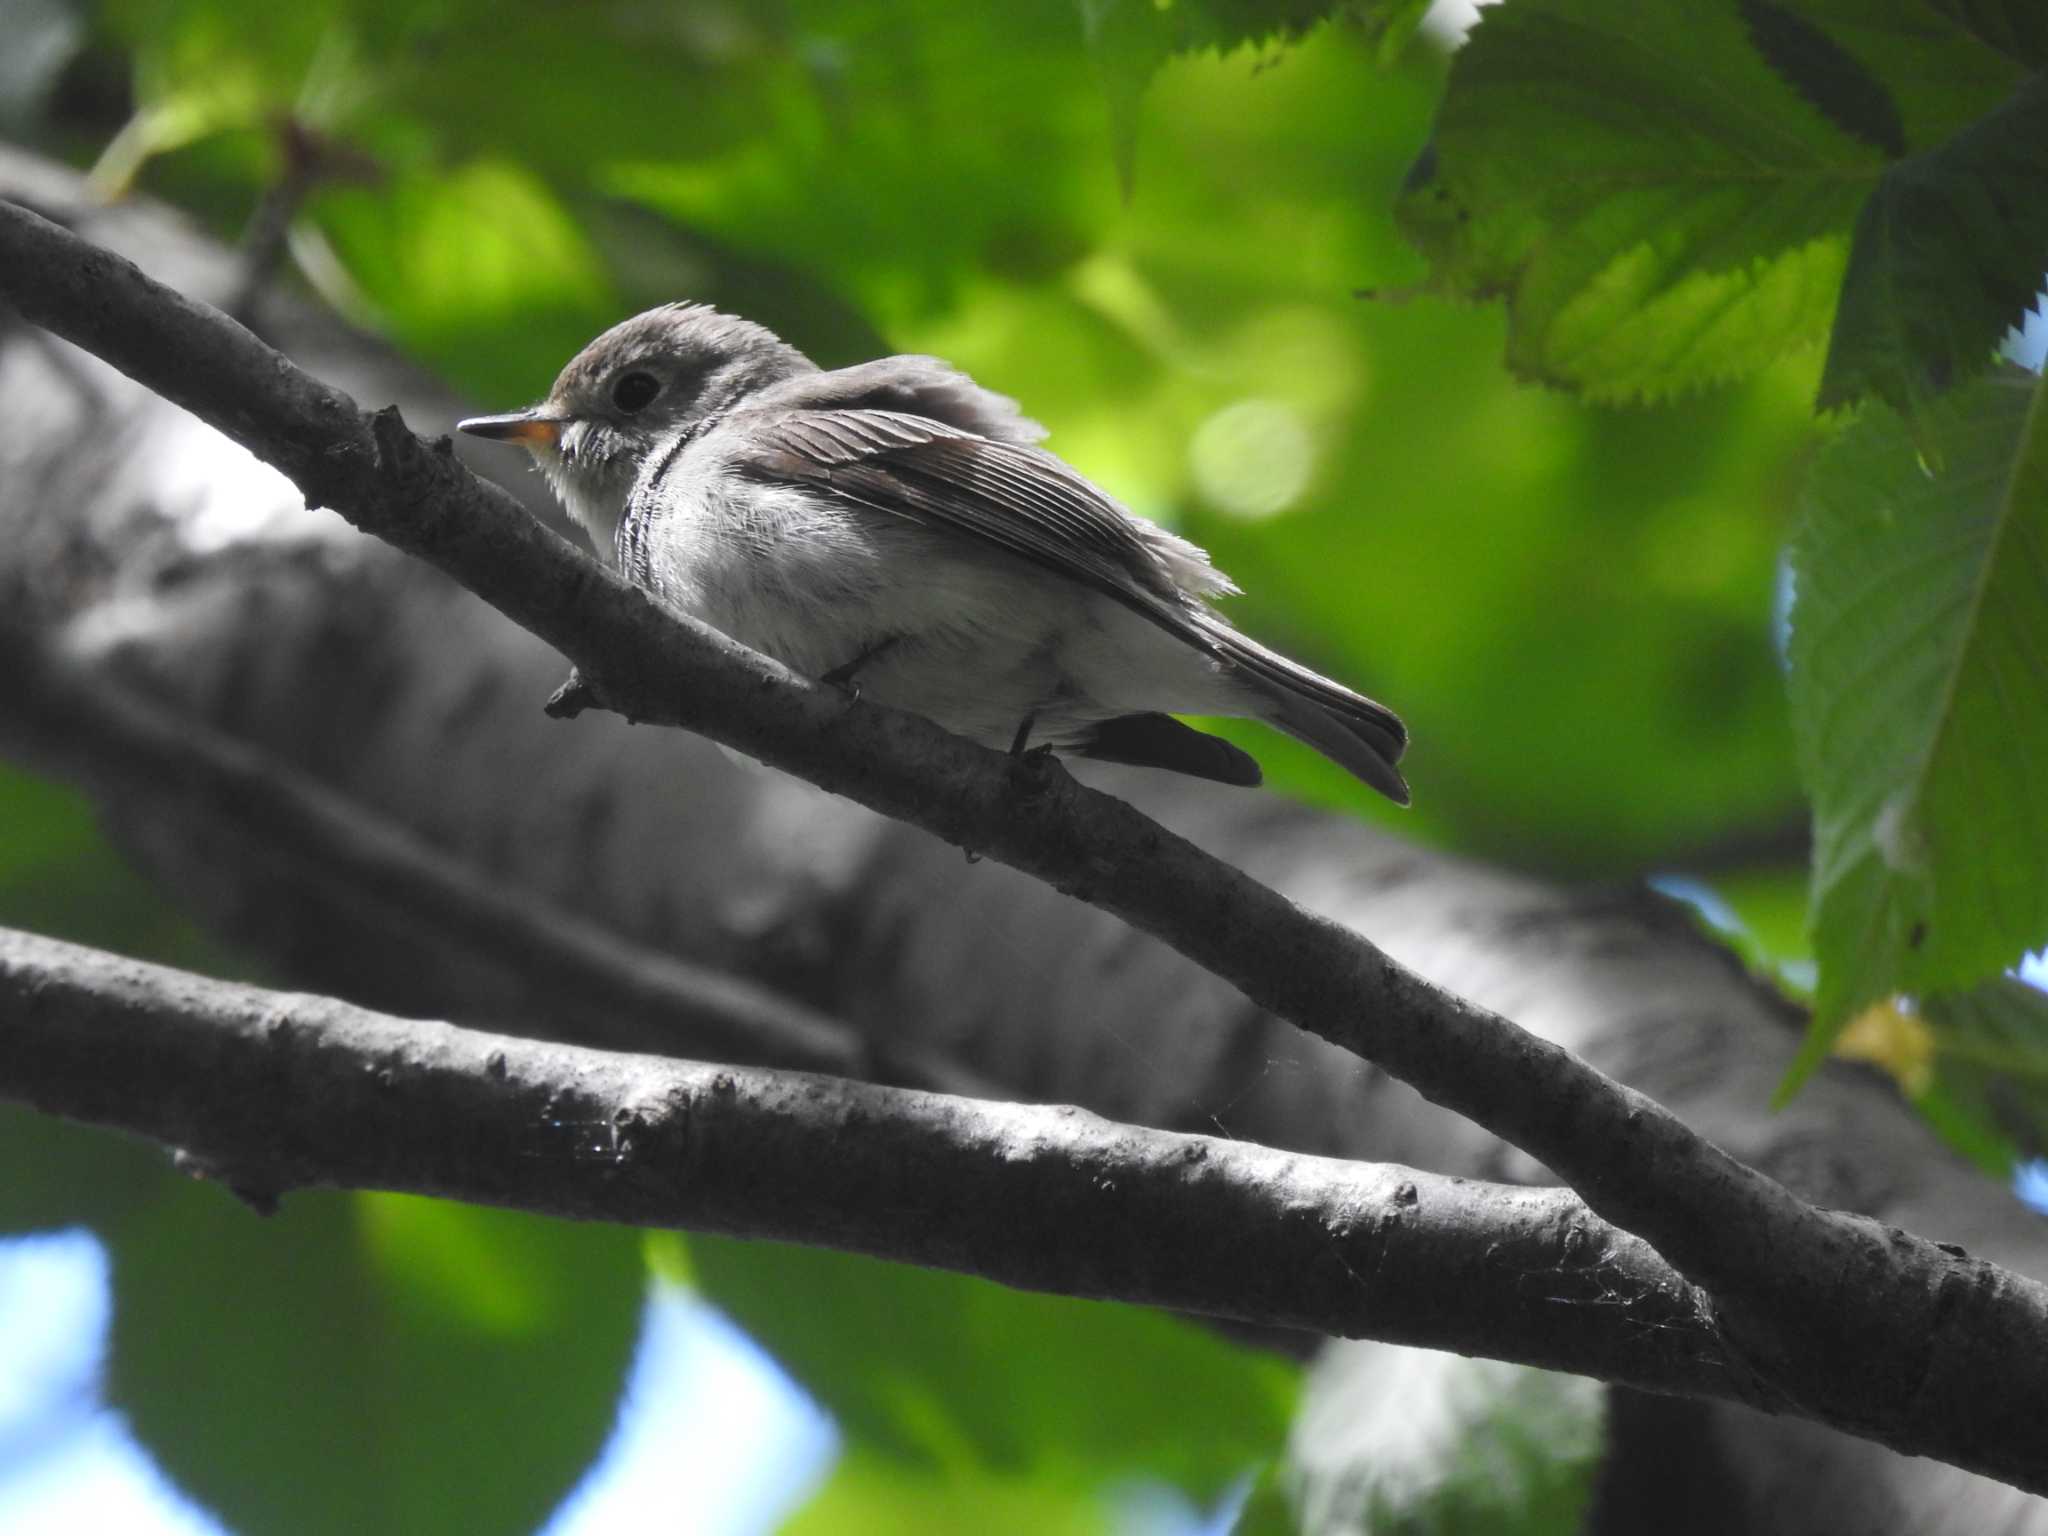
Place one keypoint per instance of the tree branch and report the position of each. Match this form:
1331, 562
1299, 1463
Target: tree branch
64, 717
271, 1092
1899, 1339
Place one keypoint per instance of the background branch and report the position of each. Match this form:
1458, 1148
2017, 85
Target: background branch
630, 997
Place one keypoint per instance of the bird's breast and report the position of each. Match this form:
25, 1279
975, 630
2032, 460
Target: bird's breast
959, 631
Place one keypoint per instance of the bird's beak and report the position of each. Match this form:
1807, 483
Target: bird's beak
537, 427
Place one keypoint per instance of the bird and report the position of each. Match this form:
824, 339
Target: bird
895, 529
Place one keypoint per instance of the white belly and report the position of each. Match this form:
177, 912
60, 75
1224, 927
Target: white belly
964, 634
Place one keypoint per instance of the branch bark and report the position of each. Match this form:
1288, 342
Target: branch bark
270, 1092
1803, 1286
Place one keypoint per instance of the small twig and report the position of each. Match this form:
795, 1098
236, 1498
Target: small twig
310, 160
571, 699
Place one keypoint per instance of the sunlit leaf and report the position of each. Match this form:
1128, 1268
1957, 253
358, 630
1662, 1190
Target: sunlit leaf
1660, 208
1894, 1038
1919, 687
872, 1495
1663, 192
446, 255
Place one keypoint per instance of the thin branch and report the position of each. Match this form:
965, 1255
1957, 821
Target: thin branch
272, 1092
95, 732
1894, 1336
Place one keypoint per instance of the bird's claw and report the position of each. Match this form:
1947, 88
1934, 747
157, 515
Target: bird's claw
572, 698
1034, 770
845, 678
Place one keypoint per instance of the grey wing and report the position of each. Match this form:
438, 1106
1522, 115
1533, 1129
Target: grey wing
1019, 498
1024, 500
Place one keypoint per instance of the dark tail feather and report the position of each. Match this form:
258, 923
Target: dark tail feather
1353, 740
1160, 741
1348, 728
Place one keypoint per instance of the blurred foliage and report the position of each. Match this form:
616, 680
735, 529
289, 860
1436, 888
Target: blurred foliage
1131, 39
904, 1358
1445, 1445
1191, 259
370, 1362
58, 876
871, 1495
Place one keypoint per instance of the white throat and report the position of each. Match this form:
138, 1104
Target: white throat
587, 502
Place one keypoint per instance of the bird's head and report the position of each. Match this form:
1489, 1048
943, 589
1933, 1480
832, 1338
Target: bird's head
631, 391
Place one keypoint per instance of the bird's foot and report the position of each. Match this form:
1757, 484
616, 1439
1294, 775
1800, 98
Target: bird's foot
572, 698
1023, 737
1032, 767
844, 677
1034, 772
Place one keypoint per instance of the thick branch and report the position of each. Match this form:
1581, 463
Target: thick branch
273, 1091
1912, 1350
97, 733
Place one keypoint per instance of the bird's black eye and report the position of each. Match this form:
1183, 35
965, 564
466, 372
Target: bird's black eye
633, 391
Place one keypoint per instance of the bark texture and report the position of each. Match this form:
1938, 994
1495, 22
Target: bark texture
269, 1092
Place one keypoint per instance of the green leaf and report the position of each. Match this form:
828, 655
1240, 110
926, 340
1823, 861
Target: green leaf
960, 1376
58, 1174
1935, 70
446, 255
59, 876
1991, 1060
1919, 692
370, 1363
1659, 206
1130, 39
1948, 254
1826, 74
1662, 191
874, 1495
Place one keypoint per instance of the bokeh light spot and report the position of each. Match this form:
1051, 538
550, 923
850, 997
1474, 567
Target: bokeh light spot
1252, 459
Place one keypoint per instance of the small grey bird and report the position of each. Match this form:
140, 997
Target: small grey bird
892, 527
